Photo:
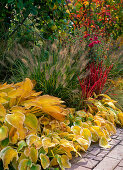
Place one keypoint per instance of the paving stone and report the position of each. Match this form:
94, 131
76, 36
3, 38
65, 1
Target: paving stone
121, 163
121, 143
107, 164
98, 158
120, 137
114, 136
90, 156
114, 142
77, 167
95, 151
118, 168
88, 163
103, 153
117, 152
90, 149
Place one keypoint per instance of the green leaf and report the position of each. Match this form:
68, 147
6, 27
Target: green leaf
21, 144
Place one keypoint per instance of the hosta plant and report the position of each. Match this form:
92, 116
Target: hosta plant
38, 131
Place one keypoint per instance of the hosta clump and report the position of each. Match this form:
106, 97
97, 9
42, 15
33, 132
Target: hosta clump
40, 132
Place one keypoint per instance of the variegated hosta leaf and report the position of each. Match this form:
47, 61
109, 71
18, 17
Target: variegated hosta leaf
33, 139
83, 142
120, 117
13, 135
86, 134
24, 164
35, 167
3, 132
2, 112
94, 134
98, 130
63, 161
112, 127
16, 119
33, 155
76, 129
7, 155
48, 142
21, 144
103, 142
31, 121
53, 162
45, 162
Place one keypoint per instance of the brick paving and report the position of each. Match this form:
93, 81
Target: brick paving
97, 158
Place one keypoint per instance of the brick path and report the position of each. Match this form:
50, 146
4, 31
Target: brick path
97, 158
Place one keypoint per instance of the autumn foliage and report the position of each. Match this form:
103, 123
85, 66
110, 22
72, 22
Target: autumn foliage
39, 131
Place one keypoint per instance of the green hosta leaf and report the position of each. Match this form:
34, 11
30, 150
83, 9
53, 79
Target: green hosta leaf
35, 167
5, 142
3, 132
24, 164
45, 162
21, 144
33, 155
31, 121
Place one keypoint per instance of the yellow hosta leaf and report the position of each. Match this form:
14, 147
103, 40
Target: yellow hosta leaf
24, 164
48, 142
53, 162
65, 161
13, 135
103, 142
85, 125
31, 121
83, 142
110, 104
3, 100
33, 139
86, 134
33, 155
98, 130
45, 162
112, 127
107, 134
8, 155
2, 111
15, 119
3, 132
120, 117
76, 129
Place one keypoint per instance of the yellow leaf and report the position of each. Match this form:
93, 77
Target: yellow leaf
83, 142
76, 129
3, 100
24, 164
15, 119
3, 132
31, 121
120, 117
8, 156
65, 161
48, 142
45, 162
103, 142
98, 130
33, 155
53, 162
13, 135
2, 111
86, 134
33, 139
94, 134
